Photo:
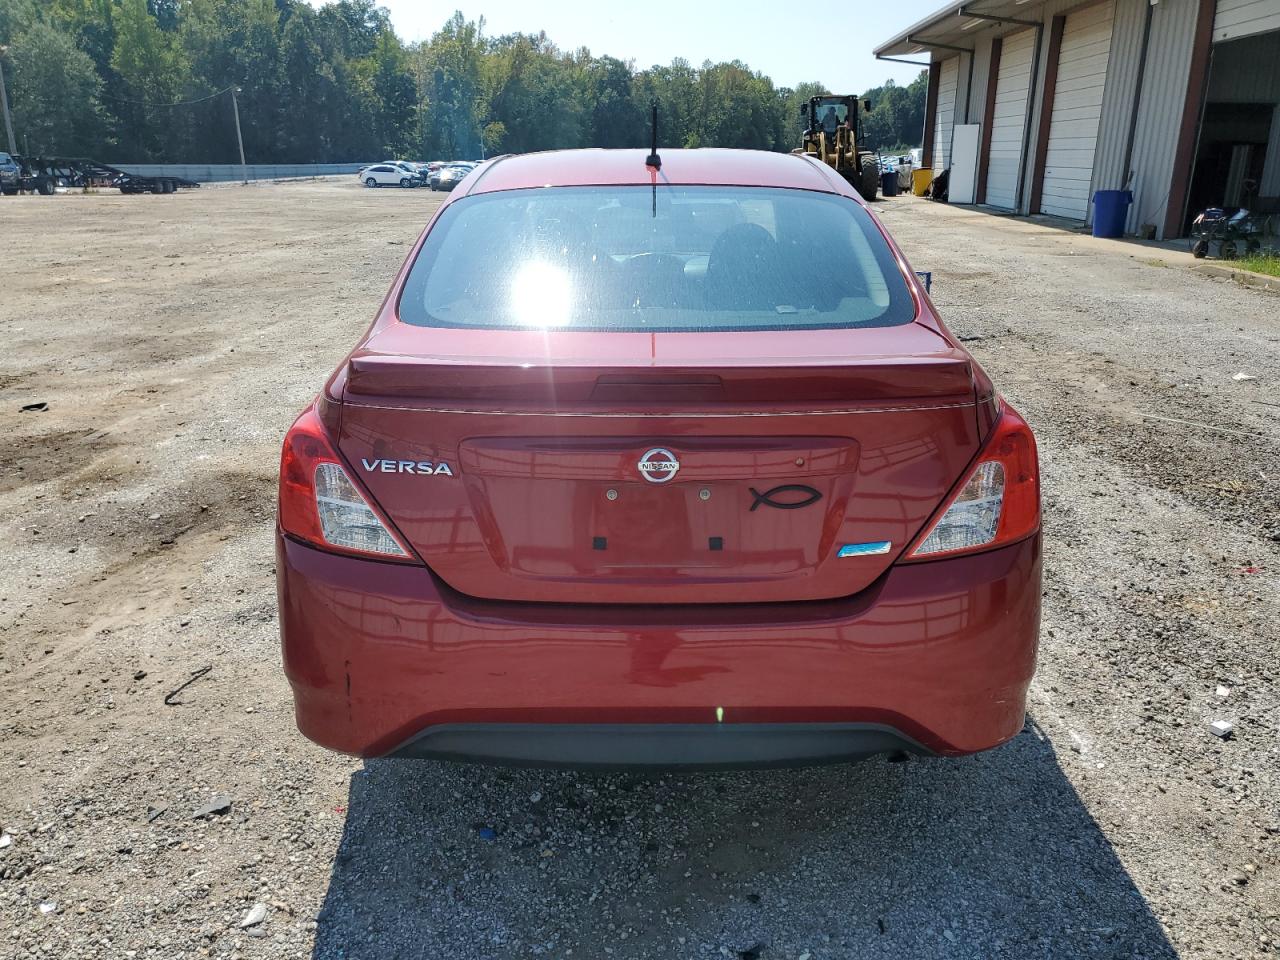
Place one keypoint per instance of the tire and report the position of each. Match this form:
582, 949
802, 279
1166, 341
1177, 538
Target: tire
370, 182
1228, 250
46, 188
869, 182
405, 182
1200, 249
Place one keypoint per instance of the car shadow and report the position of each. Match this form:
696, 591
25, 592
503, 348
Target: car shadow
991, 856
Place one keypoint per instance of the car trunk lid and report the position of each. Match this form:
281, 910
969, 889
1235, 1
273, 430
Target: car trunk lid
762, 465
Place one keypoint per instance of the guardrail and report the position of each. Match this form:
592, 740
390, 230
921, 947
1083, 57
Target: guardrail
233, 172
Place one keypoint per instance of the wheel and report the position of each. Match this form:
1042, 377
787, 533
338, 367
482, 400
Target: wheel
370, 182
1228, 250
869, 182
1200, 249
405, 182
170, 187
46, 188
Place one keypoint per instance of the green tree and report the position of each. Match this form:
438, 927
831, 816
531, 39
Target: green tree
614, 119
451, 67
17, 16
54, 94
675, 88
535, 92
395, 96
151, 69
234, 43
896, 120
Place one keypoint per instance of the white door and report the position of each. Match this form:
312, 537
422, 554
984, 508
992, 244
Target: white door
1009, 122
964, 163
948, 81
1077, 107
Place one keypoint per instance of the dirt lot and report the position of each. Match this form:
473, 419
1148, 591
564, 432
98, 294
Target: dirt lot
174, 338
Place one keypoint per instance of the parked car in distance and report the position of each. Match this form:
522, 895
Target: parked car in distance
10, 175
410, 168
658, 472
449, 176
387, 175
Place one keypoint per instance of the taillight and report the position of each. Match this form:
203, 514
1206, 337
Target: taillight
998, 502
320, 504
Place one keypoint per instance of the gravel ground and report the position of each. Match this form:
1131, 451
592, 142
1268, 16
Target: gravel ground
173, 339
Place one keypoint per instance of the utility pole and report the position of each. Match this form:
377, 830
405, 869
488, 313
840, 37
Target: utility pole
235, 107
4, 105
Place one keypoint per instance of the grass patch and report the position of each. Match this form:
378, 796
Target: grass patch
1268, 263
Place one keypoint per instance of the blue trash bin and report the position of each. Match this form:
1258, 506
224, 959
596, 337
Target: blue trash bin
1110, 211
889, 183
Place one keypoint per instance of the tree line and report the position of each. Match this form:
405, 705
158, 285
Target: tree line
149, 80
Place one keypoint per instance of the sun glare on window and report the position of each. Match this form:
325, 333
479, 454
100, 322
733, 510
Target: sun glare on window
540, 295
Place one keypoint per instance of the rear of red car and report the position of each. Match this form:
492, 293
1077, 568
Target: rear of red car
672, 470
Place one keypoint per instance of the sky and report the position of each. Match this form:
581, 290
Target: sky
824, 41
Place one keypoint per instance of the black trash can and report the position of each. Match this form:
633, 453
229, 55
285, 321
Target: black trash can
889, 183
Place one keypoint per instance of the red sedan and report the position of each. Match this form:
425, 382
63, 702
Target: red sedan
669, 466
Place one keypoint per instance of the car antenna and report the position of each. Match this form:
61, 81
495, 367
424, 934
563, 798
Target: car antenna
653, 160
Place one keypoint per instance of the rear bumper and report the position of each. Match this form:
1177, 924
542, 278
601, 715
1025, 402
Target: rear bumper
385, 660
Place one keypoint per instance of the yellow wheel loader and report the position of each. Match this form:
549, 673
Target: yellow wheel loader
833, 134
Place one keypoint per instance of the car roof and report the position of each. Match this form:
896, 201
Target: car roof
721, 167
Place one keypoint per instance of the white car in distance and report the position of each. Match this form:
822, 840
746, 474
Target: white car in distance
387, 175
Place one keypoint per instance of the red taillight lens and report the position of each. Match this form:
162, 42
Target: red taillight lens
998, 501
319, 503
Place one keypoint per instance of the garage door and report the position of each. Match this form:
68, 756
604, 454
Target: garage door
1077, 106
948, 81
1009, 122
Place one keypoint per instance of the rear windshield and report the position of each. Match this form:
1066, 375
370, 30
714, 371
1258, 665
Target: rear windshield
664, 259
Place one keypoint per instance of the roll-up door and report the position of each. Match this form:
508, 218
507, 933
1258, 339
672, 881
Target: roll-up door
1009, 122
1077, 107
948, 81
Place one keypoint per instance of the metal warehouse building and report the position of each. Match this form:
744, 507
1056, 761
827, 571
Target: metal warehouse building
1036, 104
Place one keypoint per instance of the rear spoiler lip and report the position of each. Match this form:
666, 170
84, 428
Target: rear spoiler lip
614, 413
942, 379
